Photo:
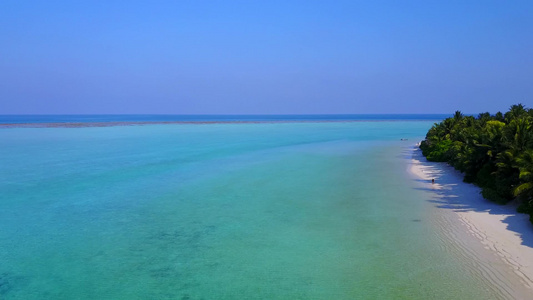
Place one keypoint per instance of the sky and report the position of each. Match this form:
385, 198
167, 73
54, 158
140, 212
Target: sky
264, 57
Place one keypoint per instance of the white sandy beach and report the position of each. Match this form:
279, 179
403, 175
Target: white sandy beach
497, 237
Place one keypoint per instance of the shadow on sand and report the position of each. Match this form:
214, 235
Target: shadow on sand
450, 192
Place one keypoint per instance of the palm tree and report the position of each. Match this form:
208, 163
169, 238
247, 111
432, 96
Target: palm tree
516, 111
483, 118
495, 152
491, 137
499, 117
525, 165
518, 135
458, 116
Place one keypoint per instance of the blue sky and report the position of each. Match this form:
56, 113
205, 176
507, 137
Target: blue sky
264, 57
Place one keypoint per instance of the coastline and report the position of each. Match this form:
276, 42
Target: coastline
143, 123
496, 237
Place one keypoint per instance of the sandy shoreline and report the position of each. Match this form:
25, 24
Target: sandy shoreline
505, 236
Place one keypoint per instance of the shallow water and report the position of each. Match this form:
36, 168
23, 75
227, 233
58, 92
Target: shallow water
222, 211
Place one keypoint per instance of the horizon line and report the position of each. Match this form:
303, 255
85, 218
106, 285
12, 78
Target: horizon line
164, 114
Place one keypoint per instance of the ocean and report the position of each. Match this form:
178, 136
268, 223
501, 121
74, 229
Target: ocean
17, 119
283, 210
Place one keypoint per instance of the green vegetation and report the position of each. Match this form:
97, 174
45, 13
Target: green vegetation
494, 152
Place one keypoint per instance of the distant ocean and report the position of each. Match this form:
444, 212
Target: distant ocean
10, 119
290, 210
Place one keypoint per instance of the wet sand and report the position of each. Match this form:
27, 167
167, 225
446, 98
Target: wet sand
497, 239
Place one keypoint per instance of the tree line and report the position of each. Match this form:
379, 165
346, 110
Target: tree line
494, 152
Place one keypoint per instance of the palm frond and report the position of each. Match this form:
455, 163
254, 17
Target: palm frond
524, 187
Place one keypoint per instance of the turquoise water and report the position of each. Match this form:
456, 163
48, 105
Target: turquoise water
221, 211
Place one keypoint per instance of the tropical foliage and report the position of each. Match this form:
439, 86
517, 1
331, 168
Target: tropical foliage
494, 152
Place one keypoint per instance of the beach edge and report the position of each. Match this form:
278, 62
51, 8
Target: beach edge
498, 228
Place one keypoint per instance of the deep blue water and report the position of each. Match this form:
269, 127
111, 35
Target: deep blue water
13, 119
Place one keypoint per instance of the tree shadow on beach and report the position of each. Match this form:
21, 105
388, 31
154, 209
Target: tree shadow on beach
450, 192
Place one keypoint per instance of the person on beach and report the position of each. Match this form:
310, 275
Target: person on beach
433, 180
